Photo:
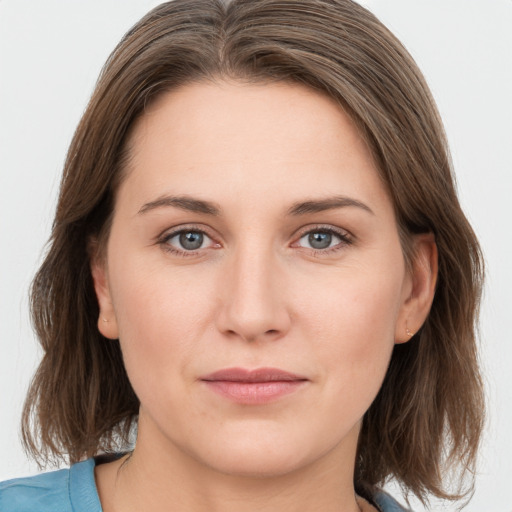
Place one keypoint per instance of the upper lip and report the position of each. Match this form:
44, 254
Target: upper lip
256, 375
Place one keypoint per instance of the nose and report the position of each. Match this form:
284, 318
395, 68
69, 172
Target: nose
253, 297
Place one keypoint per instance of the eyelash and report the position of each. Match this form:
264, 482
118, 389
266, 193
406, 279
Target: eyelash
345, 239
344, 236
163, 241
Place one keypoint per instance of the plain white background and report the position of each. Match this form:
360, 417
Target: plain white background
50, 55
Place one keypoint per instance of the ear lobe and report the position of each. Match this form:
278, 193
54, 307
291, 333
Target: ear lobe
422, 285
107, 323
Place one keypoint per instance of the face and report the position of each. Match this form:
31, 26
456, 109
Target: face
254, 277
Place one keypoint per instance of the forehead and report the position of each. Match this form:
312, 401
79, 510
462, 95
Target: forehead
279, 140
236, 116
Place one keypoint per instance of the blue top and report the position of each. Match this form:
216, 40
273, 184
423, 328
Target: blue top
74, 490
66, 490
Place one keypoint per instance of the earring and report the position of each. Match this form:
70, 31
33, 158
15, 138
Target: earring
105, 320
408, 332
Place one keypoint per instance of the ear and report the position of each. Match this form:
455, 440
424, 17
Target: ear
419, 288
107, 322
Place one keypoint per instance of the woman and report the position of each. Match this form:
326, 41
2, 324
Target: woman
260, 268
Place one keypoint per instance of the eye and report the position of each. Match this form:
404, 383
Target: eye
323, 239
186, 240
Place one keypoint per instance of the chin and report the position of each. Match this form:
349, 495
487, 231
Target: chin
255, 456
258, 465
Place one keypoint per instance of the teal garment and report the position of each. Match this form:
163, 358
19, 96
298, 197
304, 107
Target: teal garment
387, 504
66, 490
74, 490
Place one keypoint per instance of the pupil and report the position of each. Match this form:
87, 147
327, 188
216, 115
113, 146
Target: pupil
191, 240
320, 240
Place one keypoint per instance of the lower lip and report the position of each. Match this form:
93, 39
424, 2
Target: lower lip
254, 393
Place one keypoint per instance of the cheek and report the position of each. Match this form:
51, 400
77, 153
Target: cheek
161, 315
352, 326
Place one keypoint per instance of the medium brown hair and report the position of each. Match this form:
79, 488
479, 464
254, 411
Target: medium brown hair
428, 414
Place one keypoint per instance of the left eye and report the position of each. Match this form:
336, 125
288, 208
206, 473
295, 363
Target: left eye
188, 240
320, 239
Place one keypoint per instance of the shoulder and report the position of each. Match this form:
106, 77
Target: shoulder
387, 504
45, 492
66, 490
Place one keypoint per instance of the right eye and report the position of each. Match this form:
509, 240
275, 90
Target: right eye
186, 241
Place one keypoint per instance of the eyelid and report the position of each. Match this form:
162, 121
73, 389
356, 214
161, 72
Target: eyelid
163, 238
346, 237
343, 233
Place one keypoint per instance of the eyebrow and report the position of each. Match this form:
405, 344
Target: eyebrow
192, 204
187, 203
329, 203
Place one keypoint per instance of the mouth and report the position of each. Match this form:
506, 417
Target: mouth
253, 387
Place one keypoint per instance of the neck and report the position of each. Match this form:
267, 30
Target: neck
158, 480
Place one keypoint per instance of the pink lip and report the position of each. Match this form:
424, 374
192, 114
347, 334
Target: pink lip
258, 386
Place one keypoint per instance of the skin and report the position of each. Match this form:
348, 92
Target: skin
255, 294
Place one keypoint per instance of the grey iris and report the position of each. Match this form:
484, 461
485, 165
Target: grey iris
320, 240
191, 240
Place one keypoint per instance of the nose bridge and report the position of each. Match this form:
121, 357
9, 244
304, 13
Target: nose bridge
254, 305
